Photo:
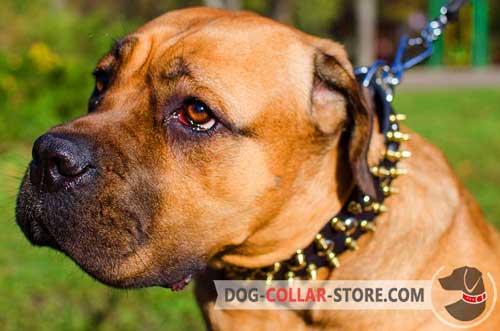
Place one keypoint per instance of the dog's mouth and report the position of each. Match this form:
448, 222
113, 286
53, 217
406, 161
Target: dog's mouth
180, 285
29, 214
115, 250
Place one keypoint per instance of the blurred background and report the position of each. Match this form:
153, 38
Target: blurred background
48, 49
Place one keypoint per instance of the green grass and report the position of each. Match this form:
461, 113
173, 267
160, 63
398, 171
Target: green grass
42, 290
465, 124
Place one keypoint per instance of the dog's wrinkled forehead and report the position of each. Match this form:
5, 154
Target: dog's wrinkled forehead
234, 56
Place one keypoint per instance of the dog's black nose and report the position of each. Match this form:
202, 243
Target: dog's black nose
59, 160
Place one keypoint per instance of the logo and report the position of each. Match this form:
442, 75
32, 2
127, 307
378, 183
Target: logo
463, 297
469, 281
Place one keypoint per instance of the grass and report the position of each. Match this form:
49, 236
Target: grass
42, 290
465, 125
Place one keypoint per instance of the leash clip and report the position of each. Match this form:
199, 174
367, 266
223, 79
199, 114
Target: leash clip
386, 77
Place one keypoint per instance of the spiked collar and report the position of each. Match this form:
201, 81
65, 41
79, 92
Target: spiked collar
357, 217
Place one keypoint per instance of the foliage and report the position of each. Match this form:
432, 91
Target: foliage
46, 57
316, 16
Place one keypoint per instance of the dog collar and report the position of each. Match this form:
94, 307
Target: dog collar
474, 299
357, 217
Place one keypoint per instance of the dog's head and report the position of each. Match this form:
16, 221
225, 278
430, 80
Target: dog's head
203, 127
465, 279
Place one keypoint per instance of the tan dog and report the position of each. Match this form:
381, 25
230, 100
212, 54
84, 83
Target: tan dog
212, 136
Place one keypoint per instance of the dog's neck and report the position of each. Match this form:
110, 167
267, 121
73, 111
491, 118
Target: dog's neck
316, 200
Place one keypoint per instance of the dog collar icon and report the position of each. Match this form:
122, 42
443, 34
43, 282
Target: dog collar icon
474, 299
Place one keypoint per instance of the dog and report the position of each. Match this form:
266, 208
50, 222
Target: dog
216, 137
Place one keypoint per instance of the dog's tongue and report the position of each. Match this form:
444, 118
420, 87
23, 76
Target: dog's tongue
181, 284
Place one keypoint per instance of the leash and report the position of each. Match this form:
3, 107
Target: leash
357, 217
383, 77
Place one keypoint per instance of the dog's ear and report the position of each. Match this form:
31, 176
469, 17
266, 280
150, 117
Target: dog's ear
338, 102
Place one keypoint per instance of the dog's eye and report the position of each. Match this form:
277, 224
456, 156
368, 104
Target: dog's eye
101, 80
196, 115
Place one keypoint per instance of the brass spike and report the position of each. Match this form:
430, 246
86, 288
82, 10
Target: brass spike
384, 172
351, 243
380, 171
271, 270
367, 200
290, 276
405, 154
300, 257
332, 259
395, 172
367, 226
354, 207
396, 155
321, 243
338, 224
388, 190
367, 203
397, 117
323, 246
299, 261
269, 278
351, 224
217, 265
397, 136
312, 271
379, 208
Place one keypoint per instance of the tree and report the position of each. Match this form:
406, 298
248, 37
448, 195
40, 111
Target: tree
226, 4
282, 10
366, 26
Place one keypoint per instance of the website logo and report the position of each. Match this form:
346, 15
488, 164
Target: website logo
463, 297
469, 281
460, 297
